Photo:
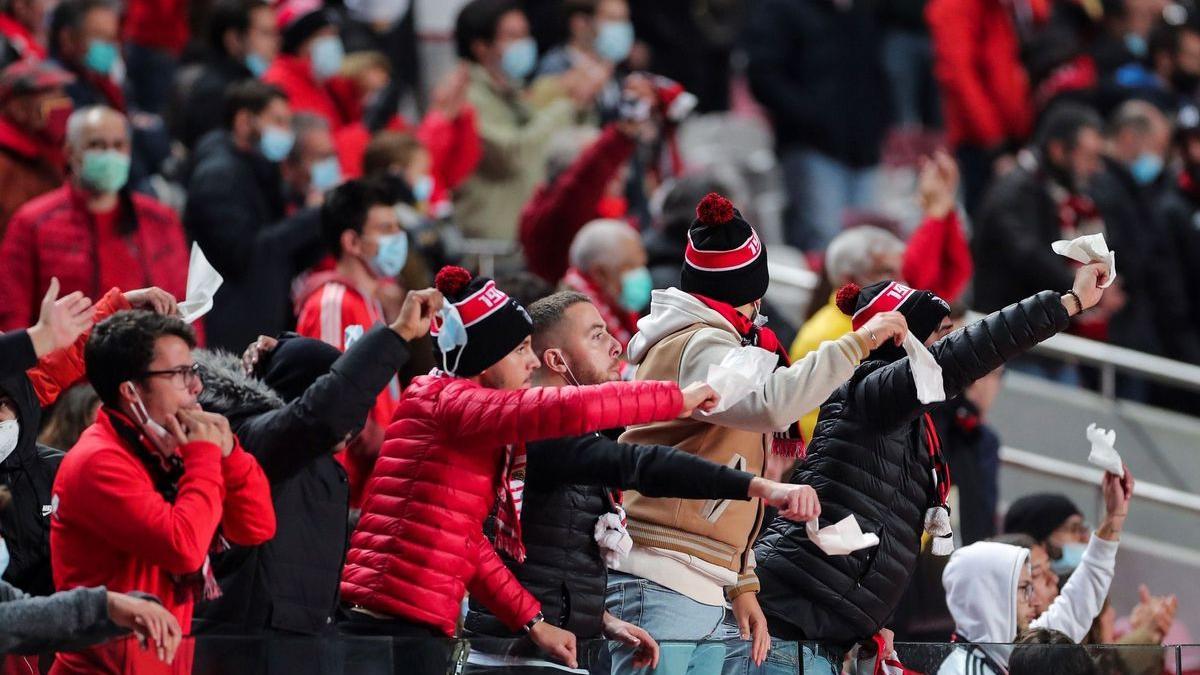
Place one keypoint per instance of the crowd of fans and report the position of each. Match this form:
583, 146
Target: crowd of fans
366, 436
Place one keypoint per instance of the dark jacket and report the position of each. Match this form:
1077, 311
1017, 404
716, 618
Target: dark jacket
236, 212
869, 459
1017, 223
16, 353
566, 491
1179, 214
199, 102
29, 474
290, 584
818, 70
64, 621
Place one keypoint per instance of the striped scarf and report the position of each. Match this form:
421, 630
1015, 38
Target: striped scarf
509, 493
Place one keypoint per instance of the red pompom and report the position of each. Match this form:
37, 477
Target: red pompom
847, 298
452, 280
714, 210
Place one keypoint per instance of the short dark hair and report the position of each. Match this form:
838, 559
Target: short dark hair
572, 7
1042, 650
388, 148
346, 208
227, 15
1065, 122
548, 312
250, 94
478, 20
69, 14
121, 348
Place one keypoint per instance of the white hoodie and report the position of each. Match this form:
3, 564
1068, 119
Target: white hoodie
981, 592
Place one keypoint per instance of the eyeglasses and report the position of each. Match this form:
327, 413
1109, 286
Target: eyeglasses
185, 375
1026, 590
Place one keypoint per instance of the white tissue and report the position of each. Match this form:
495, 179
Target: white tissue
844, 536
202, 284
1104, 453
742, 371
927, 374
613, 539
1089, 249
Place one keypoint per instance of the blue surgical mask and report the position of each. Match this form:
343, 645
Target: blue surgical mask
3, 556
1072, 555
276, 143
256, 64
327, 54
101, 56
519, 59
636, 286
326, 174
452, 334
1146, 168
614, 39
392, 254
422, 190
104, 171
1136, 44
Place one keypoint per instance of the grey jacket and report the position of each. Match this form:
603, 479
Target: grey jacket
64, 621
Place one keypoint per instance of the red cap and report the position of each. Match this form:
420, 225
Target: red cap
31, 76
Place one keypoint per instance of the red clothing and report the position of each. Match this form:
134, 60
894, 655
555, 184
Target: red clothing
295, 77
20, 39
977, 63
111, 528
938, 258
29, 167
158, 24
620, 322
62, 368
558, 210
55, 236
334, 311
454, 149
419, 544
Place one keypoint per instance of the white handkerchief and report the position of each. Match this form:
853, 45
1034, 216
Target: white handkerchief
1104, 452
844, 536
1089, 249
742, 371
927, 374
202, 284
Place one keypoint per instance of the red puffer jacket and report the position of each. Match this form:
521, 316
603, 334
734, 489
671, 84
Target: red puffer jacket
419, 544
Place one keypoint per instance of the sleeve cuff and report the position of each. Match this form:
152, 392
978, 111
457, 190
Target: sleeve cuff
747, 583
854, 347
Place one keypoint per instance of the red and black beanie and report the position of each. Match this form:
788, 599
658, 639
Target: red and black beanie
495, 323
922, 310
725, 259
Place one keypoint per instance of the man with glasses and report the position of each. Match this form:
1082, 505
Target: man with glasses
152, 487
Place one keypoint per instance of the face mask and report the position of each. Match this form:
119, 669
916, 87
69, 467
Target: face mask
104, 171
635, 289
256, 64
10, 433
3, 556
393, 252
326, 174
154, 432
54, 121
276, 143
1071, 557
1146, 168
614, 39
1136, 44
519, 59
452, 334
327, 55
422, 190
101, 56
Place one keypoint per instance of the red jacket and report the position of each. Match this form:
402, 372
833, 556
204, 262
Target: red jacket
20, 39
419, 544
294, 75
158, 24
977, 64
938, 258
111, 528
29, 167
55, 236
558, 210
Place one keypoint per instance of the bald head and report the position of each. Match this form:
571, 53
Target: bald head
605, 250
98, 130
97, 120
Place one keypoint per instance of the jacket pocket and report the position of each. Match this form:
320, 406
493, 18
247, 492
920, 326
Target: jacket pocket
713, 509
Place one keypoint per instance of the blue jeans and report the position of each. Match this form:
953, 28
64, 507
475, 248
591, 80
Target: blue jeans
819, 189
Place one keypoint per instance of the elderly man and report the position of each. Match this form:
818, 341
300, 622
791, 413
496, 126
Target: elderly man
93, 233
608, 265
33, 120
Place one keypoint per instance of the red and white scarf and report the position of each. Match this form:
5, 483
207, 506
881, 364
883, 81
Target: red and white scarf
622, 324
509, 494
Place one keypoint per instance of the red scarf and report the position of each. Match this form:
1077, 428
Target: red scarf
621, 324
509, 495
786, 443
1077, 214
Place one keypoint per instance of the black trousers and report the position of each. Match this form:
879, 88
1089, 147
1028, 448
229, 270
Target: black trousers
416, 648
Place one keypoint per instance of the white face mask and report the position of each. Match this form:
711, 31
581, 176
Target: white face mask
163, 440
10, 433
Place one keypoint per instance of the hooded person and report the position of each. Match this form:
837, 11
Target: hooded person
876, 456
455, 453
689, 552
989, 590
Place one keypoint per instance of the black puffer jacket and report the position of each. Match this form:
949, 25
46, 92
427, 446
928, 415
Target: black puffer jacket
565, 493
869, 458
290, 584
29, 474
